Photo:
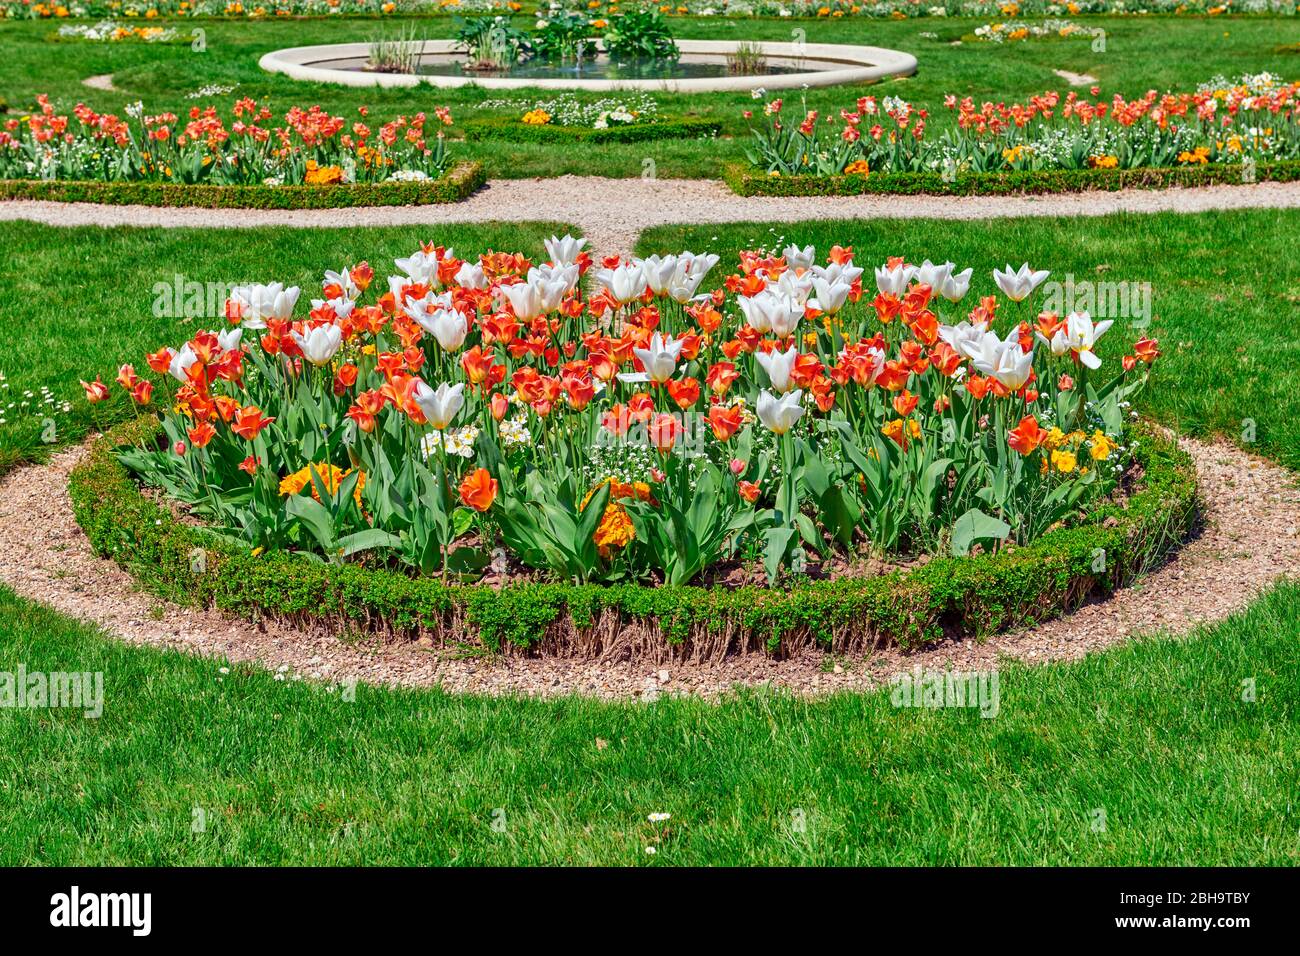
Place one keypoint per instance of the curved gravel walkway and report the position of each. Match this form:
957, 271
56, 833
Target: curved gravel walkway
612, 212
1250, 539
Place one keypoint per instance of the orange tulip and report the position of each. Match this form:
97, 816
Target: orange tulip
96, 391
478, 490
248, 422
724, 421
1026, 436
201, 434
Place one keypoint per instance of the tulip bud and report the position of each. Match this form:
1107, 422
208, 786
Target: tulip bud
179, 448
738, 467
499, 406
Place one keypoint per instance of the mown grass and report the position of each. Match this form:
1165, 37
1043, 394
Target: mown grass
1225, 294
1154, 740
78, 302
1140, 53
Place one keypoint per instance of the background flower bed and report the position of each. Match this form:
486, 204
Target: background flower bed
971, 597
515, 130
456, 184
749, 181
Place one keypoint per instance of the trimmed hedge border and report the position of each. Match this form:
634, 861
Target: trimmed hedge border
517, 131
747, 180
454, 185
972, 597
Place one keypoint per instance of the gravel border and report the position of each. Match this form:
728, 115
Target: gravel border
1250, 539
613, 212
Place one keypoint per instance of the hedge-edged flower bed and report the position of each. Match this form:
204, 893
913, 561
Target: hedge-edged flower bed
456, 184
972, 596
750, 181
518, 131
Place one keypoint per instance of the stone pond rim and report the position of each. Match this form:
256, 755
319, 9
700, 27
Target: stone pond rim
830, 64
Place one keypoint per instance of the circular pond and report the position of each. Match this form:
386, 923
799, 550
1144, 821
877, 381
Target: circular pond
702, 67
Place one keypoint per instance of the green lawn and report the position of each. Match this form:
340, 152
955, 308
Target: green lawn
1155, 735
1140, 53
76, 303
1225, 296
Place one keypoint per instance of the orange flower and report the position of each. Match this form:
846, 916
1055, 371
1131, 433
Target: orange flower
905, 403
201, 434
748, 490
142, 392
96, 391
724, 421
685, 392
478, 490
250, 464
248, 422
664, 430
1026, 436
721, 377
1146, 350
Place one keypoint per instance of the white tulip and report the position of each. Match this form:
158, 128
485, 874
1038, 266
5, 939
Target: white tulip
567, 276
1058, 344
800, 258
956, 285
344, 281
660, 359
260, 302
894, 281
228, 339
778, 366
441, 406
831, 296
845, 271
624, 282
320, 344
697, 266
471, 276
964, 337
1082, 336
564, 252
1017, 285
927, 273
528, 300
659, 272
181, 361
1014, 367
448, 326
780, 414
792, 286
422, 267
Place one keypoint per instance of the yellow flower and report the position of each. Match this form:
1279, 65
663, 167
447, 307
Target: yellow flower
1013, 154
858, 167
537, 117
318, 175
615, 530
331, 476
1054, 437
1100, 447
1103, 162
1064, 461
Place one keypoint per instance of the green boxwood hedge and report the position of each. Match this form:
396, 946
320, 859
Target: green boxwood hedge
515, 130
970, 597
455, 184
748, 180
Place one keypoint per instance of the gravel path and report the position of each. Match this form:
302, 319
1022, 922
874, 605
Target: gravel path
1250, 539
613, 212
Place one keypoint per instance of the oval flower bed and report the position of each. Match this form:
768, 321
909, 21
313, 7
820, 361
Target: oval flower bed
312, 160
645, 462
1225, 132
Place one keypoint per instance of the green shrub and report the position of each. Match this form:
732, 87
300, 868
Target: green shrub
970, 597
453, 186
750, 181
515, 130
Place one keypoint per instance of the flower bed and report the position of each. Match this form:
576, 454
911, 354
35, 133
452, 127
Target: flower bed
1250, 122
456, 184
311, 147
973, 596
647, 435
516, 130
